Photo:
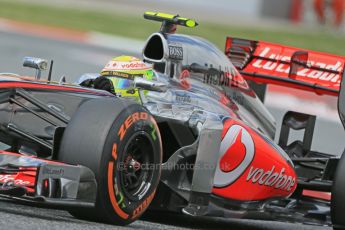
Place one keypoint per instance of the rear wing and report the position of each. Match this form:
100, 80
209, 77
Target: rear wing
265, 62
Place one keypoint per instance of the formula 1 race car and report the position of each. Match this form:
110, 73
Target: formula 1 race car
200, 142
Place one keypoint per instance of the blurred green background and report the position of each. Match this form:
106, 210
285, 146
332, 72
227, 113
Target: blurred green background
134, 26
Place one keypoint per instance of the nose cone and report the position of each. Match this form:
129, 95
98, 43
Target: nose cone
251, 166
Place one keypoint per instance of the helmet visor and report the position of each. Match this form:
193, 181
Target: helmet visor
121, 83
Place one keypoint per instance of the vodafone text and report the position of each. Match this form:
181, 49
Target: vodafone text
271, 178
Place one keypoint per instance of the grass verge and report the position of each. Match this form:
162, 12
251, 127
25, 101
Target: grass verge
137, 27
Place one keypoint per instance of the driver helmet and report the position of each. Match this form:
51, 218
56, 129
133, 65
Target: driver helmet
118, 74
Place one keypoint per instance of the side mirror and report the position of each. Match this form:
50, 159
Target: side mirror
35, 63
150, 85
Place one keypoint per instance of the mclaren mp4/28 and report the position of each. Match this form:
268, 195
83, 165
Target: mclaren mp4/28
199, 140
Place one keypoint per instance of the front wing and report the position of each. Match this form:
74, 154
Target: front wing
47, 182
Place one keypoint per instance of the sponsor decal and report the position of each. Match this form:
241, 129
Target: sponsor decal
234, 155
142, 207
116, 73
134, 65
236, 142
53, 171
303, 72
11, 178
227, 77
184, 79
237, 153
183, 98
130, 120
175, 52
271, 178
111, 64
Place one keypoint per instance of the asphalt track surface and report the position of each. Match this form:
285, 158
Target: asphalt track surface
73, 59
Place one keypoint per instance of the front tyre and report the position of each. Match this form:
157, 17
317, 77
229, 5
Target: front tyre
120, 142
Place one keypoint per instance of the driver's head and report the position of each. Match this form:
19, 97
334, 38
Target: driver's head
118, 74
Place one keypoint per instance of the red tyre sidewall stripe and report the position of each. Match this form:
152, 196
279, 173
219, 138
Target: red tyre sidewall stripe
114, 203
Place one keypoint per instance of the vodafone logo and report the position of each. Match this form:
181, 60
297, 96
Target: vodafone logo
236, 153
134, 65
115, 65
184, 76
271, 178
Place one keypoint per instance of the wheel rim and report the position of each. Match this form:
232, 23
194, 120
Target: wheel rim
137, 166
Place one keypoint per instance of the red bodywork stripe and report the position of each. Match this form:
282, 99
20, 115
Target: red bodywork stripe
317, 194
29, 85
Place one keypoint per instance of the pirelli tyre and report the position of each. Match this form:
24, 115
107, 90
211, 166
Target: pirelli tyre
338, 196
120, 142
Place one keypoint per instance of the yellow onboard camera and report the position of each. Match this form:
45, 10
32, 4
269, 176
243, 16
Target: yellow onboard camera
169, 21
